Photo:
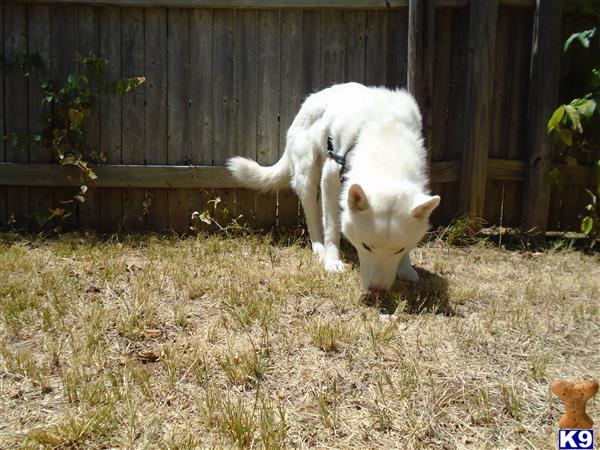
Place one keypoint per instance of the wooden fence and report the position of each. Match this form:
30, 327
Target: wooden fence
226, 78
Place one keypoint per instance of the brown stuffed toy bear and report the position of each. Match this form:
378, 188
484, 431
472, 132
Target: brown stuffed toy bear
574, 396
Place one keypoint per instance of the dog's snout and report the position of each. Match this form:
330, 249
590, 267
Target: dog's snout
377, 292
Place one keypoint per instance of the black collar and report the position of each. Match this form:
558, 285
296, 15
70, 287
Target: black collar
340, 159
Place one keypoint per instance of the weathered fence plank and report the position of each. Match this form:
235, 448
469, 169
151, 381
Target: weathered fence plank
419, 77
545, 67
178, 110
246, 101
354, 28
267, 140
440, 106
63, 23
223, 104
289, 102
480, 69
155, 119
312, 33
110, 114
376, 48
397, 47
201, 122
87, 41
15, 41
40, 198
456, 112
132, 55
517, 113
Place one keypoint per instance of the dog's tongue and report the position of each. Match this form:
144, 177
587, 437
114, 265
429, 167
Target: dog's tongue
377, 292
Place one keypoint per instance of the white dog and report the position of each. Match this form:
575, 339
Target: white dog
364, 147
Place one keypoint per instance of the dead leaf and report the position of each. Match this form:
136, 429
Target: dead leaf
153, 332
147, 356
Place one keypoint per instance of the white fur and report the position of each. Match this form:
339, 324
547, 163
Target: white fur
385, 202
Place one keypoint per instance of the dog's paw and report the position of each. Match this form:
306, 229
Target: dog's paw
408, 274
334, 266
318, 250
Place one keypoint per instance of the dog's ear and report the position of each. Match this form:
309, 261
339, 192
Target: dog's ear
357, 200
424, 205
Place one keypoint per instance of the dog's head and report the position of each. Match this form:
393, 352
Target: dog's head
383, 223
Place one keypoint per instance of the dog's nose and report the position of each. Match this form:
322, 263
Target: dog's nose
377, 292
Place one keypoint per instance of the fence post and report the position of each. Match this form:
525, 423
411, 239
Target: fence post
419, 74
543, 94
480, 69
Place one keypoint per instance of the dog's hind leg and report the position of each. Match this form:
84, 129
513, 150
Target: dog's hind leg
306, 185
330, 193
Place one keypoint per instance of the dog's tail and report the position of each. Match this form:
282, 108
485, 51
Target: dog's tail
254, 176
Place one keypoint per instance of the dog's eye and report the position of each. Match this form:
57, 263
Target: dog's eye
401, 250
367, 247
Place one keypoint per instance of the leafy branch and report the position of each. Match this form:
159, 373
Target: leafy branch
64, 112
570, 123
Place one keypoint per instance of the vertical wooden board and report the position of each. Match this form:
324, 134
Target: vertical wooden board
521, 57
376, 54
439, 110
512, 203
40, 198
201, 43
179, 151
397, 47
246, 104
570, 208
223, 104
441, 70
554, 209
110, 115
290, 102
223, 86
3, 216
480, 72
332, 63
517, 111
494, 190
201, 25
63, 21
16, 107
312, 22
354, 25
449, 204
291, 71
87, 42
544, 78
456, 105
502, 81
500, 101
132, 55
155, 119
267, 136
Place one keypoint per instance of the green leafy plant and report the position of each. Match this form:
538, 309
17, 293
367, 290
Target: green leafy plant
63, 114
572, 125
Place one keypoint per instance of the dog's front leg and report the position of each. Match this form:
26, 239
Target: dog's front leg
406, 270
330, 194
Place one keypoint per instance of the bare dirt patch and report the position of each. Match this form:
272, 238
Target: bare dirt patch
222, 342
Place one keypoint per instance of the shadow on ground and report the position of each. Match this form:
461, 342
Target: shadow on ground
429, 295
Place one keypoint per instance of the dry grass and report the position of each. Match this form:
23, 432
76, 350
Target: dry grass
223, 342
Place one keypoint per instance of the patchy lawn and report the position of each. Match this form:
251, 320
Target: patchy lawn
222, 342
